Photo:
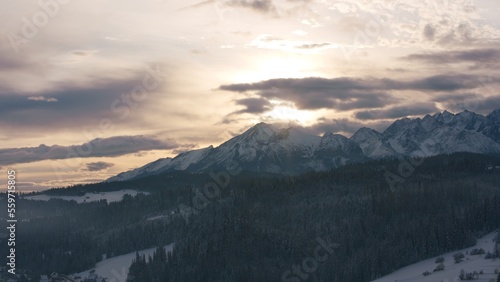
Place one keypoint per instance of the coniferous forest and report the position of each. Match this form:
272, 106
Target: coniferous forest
354, 223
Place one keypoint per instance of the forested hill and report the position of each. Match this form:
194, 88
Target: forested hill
269, 230
382, 214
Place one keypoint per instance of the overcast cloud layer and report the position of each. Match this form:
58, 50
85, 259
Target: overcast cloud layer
153, 78
108, 147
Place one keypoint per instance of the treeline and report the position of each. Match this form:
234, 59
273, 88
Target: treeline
269, 227
66, 237
169, 181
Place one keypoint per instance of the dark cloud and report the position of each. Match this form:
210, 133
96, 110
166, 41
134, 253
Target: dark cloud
398, 111
71, 105
448, 34
264, 6
370, 100
350, 93
313, 46
98, 166
343, 126
254, 105
460, 35
229, 119
487, 104
317, 93
301, 84
107, 147
450, 57
473, 103
447, 97
442, 83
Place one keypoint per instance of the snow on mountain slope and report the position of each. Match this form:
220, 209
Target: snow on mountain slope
180, 162
150, 168
334, 150
266, 148
451, 271
337, 145
443, 133
336, 141
184, 160
372, 143
267, 137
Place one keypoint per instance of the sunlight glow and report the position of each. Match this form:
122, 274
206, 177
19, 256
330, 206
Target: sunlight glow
289, 114
286, 66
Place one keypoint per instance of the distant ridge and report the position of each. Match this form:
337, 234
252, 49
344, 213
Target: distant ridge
266, 148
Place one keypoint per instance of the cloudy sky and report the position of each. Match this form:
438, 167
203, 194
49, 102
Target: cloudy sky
92, 88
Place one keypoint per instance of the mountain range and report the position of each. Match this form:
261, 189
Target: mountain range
267, 148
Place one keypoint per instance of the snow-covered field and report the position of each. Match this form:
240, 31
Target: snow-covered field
450, 273
116, 269
113, 196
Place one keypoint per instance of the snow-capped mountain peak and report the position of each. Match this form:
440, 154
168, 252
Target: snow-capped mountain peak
260, 132
444, 117
289, 150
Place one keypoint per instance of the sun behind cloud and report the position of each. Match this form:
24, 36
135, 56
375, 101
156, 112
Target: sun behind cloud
287, 113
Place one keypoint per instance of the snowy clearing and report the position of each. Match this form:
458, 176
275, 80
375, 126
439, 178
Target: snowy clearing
450, 274
116, 269
114, 196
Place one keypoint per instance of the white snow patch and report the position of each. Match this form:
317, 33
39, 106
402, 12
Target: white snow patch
452, 270
156, 217
114, 196
184, 160
116, 269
